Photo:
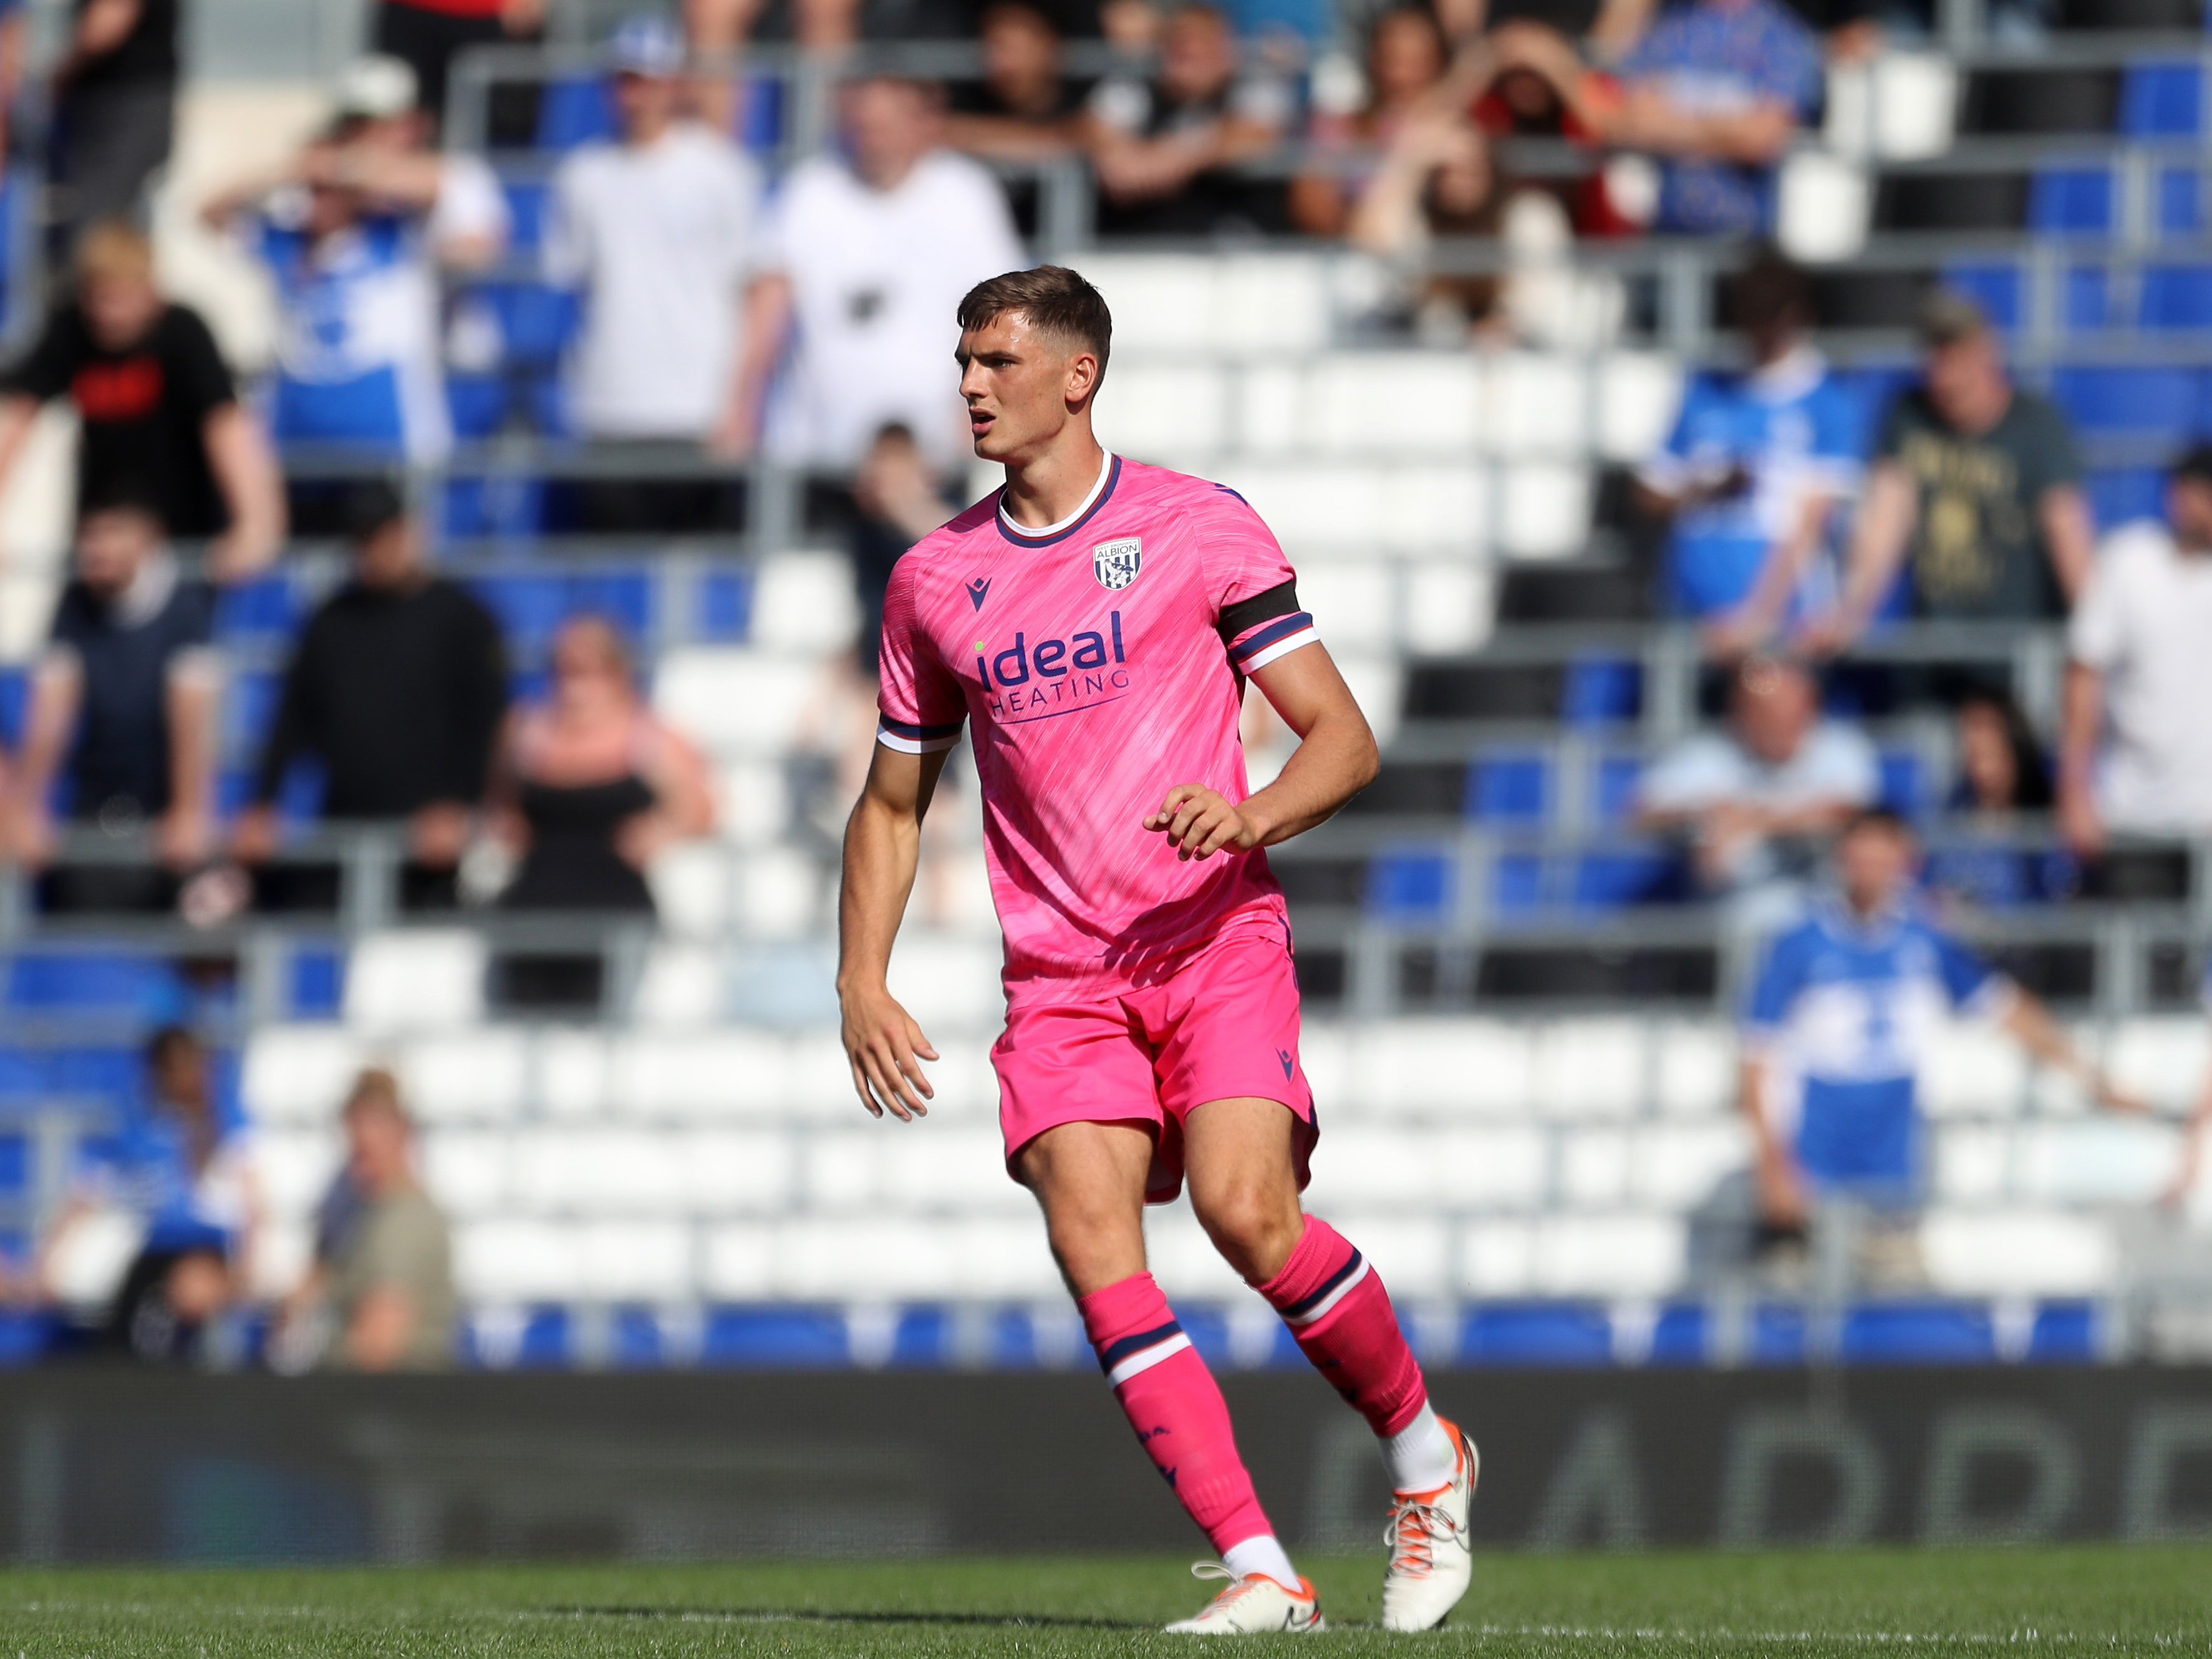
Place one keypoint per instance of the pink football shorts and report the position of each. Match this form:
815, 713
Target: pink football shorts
1221, 1024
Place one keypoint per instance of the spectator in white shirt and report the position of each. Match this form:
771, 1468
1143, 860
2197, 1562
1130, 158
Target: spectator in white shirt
1780, 771
2140, 674
870, 258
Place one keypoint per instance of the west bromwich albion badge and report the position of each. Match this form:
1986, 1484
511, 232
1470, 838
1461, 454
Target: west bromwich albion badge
1115, 562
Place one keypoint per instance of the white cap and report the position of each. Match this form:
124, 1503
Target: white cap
377, 88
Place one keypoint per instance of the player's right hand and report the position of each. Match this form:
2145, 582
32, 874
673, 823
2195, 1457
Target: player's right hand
886, 1047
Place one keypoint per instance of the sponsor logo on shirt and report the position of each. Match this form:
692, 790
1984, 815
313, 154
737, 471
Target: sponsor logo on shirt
1115, 563
1035, 679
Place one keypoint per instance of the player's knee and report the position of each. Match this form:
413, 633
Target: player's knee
1252, 1226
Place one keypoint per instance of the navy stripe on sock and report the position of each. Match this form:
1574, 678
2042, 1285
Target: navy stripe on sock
1297, 1308
1119, 1350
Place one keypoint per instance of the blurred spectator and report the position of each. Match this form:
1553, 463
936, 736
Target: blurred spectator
1166, 151
2003, 769
14, 43
1718, 89
1024, 107
1977, 484
351, 228
1517, 85
896, 503
122, 703
870, 258
382, 1284
1841, 1017
180, 1173
154, 402
2140, 666
1405, 66
115, 106
659, 231
397, 688
427, 35
1780, 772
592, 784
1438, 179
1755, 468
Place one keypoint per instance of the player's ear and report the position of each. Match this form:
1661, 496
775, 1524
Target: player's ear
1082, 377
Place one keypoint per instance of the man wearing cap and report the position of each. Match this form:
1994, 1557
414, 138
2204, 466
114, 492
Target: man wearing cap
659, 233
2136, 753
398, 686
1976, 484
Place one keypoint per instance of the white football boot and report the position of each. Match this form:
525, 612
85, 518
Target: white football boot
1254, 1603
1432, 1554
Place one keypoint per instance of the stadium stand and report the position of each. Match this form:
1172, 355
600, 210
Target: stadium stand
1518, 1027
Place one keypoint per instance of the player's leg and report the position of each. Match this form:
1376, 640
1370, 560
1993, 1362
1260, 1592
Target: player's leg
1089, 1178
1241, 1158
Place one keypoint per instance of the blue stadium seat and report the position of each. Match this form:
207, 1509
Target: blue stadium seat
526, 212
505, 504
1905, 782
1410, 885
2180, 202
1917, 1333
15, 699
1640, 875
725, 603
1601, 690
2085, 299
25, 1336
2110, 400
2075, 201
1562, 1333
536, 321
1778, 1335
1681, 1336
574, 110
108, 1071
1613, 783
1516, 884
780, 1336
1876, 388
2117, 494
318, 984
530, 607
1992, 284
476, 403
89, 981
1510, 787
2162, 101
2176, 296
261, 608
760, 114
2065, 1332
14, 1164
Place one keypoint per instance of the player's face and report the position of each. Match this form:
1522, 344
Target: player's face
1874, 861
1022, 386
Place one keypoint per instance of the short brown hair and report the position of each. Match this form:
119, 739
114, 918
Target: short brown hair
115, 250
377, 1089
1055, 299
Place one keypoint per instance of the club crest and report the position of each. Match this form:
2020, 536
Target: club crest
1116, 563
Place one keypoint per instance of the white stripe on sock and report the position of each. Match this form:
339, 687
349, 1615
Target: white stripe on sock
1330, 1300
1145, 1359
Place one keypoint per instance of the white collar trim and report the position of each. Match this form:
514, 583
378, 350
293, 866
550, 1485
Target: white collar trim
1007, 522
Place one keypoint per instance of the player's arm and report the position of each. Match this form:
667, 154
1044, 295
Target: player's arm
883, 849
1335, 759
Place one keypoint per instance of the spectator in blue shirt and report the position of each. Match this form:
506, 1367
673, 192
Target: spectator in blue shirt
1717, 90
1756, 469
180, 1172
1841, 1018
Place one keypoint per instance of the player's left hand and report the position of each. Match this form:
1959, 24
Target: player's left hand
1199, 822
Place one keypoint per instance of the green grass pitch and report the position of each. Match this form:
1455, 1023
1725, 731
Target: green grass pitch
2105, 1601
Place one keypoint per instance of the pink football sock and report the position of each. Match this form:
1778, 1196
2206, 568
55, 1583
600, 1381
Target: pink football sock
1335, 1305
1175, 1405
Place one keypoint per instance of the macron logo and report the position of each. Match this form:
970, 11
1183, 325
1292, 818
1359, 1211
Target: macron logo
1284, 1055
977, 590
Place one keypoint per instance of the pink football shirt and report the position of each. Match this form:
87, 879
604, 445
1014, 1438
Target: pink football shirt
1102, 661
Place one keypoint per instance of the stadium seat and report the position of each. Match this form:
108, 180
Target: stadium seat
1920, 1332
1394, 404
2173, 297
574, 110
716, 1075
778, 894
1591, 1067
691, 889
2120, 495
1628, 1254
1439, 1068
1676, 1166
2162, 101
2100, 1160
1593, 1168
2016, 1253
1266, 304
949, 982
1972, 1165
1637, 396
526, 202
1510, 788
736, 702
1545, 512
431, 978
2161, 1059
468, 1077
1972, 1070
1695, 1068
513, 1260
2085, 299
90, 981
2180, 210
295, 1166
1995, 285
299, 1073
803, 604
2163, 401
1162, 306
1537, 406
1171, 414
738, 1262
1450, 1168
1355, 602
1446, 607
635, 1261
2072, 201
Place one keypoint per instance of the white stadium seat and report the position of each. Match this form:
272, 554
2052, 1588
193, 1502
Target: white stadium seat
947, 982
2098, 1160
1446, 607
1325, 1054
1268, 304
1627, 1254
635, 1261
1184, 1259
1639, 394
803, 604
733, 701
2017, 1252
1394, 404
778, 893
1320, 507
283, 1251
1695, 1067
1172, 414
691, 888
1354, 604
738, 1262
1443, 1068
467, 1076
752, 801
1411, 1253
1377, 684
1538, 406
1270, 409
300, 1074
2162, 1060
411, 978
469, 1171
1594, 1166
731, 1072
734, 1172
1443, 509
518, 1261
294, 1167
1496, 1259
1676, 1166
864, 1259
1972, 1070
1544, 512
572, 1073
1595, 1068
1366, 1163
1161, 306
1002, 1259
1972, 1164
682, 985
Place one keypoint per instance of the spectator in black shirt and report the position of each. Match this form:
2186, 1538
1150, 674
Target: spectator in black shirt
398, 685
115, 106
156, 403
1024, 107
123, 704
